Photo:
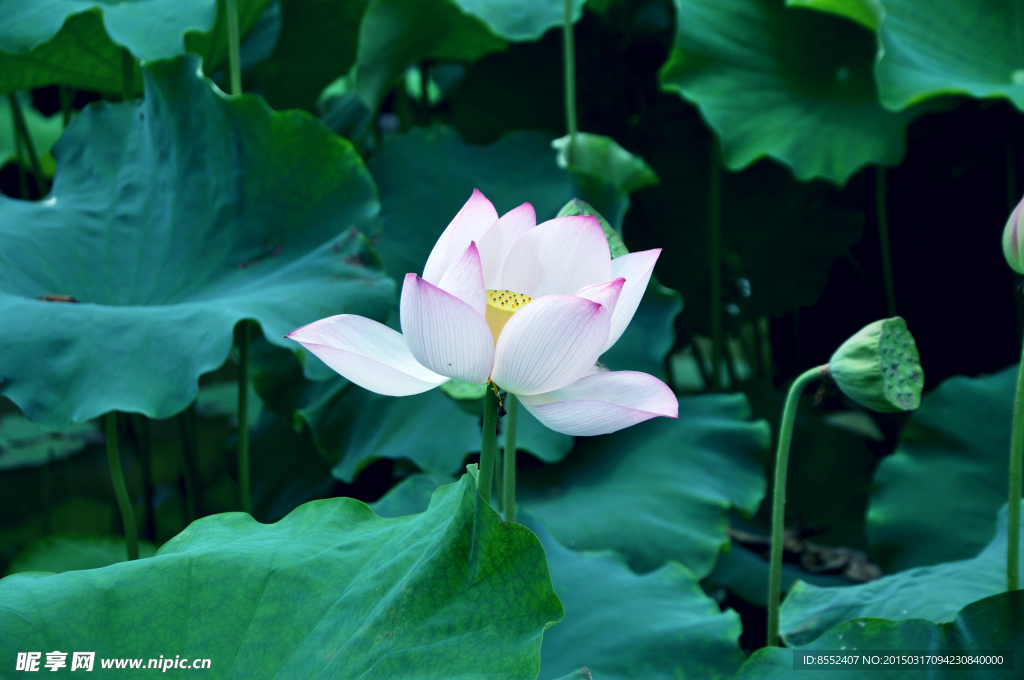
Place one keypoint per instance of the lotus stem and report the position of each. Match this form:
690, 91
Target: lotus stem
243, 418
21, 130
509, 487
1016, 466
234, 47
127, 75
882, 217
145, 452
120, 488
188, 455
715, 263
489, 443
569, 57
779, 497
67, 102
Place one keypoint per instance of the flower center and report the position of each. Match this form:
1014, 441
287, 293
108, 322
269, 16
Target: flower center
501, 305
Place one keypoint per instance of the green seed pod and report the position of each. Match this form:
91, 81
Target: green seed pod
879, 367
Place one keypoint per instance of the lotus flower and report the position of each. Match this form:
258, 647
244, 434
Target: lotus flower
528, 307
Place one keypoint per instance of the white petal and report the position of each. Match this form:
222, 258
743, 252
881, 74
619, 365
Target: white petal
368, 353
636, 268
499, 239
603, 402
465, 280
605, 294
469, 225
444, 333
558, 257
550, 343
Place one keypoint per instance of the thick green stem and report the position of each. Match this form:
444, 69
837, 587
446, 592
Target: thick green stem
508, 491
569, 59
234, 47
243, 418
779, 497
127, 75
21, 130
489, 443
120, 488
882, 217
715, 264
1016, 465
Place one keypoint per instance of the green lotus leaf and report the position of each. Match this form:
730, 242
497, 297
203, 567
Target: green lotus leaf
317, 44
681, 476
331, 589
25, 444
935, 593
989, 624
168, 233
866, 12
619, 625
916, 62
955, 447
43, 130
795, 86
520, 21
602, 156
73, 552
79, 42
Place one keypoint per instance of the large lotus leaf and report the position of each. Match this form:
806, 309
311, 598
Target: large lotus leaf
317, 44
170, 221
795, 86
658, 491
658, 626
987, 625
956, 447
330, 590
866, 12
917, 59
73, 552
935, 593
79, 42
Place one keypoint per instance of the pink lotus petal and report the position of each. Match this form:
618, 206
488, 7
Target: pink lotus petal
444, 333
558, 257
469, 225
499, 239
465, 280
637, 269
605, 294
368, 353
603, 402
550, 343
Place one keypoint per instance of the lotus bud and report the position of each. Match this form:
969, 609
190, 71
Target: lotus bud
1013, 248
879, 367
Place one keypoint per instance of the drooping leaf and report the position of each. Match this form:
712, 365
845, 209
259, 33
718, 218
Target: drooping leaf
989, 624
23, 443
960, 47
956, 447
248, 214
795, 86
866, 12
520, 21
603, 156
317, 44
73, 552
679, 476
935, 593
331, 589
79, 42
617, 624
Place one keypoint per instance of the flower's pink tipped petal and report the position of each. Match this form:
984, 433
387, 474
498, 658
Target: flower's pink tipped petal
605, 294
603, 402
558, 257
550, 343
368, 353
444, 333
465, 280
636, 268
499, 239
470, 224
